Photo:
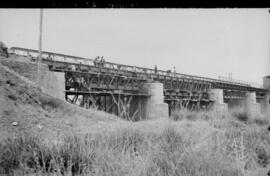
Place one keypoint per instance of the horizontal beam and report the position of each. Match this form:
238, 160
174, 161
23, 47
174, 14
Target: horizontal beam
69, 92
186, 99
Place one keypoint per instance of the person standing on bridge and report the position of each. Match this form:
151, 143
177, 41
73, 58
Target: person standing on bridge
174, 71
102, 61
49, 57
96, 61
155, 69
169, 72
134, 69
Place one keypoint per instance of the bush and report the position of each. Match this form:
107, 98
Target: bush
49, 102
241, 115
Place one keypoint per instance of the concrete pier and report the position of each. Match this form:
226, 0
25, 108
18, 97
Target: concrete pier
266, 100
154, 105
52, 83
216, 95
250, 104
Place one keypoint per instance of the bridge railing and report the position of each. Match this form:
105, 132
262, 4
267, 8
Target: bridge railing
240, 82
126, 68
51, 55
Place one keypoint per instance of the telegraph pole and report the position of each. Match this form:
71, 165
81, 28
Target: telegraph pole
40, 47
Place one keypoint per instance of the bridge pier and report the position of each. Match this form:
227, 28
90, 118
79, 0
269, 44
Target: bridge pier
216, 95
154, 106
266, 100
250, 104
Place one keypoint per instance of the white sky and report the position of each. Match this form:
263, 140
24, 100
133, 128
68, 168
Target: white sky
204, 42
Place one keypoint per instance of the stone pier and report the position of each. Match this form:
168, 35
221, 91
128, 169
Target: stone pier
216, 95
154, 105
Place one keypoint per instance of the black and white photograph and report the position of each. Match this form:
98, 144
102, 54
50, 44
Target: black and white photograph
135, 91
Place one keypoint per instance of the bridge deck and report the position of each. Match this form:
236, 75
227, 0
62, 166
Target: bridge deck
110, 75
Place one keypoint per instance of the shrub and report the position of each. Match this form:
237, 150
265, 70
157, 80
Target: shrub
12, 97
49, 102
241, 115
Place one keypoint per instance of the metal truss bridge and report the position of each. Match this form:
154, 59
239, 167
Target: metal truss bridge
89, 78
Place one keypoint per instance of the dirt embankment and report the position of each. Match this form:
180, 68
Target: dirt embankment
23, 102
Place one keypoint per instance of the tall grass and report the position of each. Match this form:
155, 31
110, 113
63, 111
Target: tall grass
126, 152
186, 114
233, 150
247, 117
242, 137
235, 115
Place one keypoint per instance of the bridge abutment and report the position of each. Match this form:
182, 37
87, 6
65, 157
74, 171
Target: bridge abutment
218, 105
154, 104
52, 83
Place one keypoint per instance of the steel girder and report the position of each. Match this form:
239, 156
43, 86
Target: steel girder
171, 81
181, 89
80, 81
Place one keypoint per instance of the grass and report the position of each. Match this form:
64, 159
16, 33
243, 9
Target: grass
185, 114
246, 117
125, 152
235, 115
229, 151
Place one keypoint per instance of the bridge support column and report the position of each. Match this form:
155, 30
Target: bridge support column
53, 83
266, 100
250, 104
155, 106
216, 95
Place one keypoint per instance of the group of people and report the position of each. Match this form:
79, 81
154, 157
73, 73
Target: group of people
169, 72
99, 61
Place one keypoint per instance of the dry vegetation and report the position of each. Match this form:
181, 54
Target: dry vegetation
233, 148
88, 142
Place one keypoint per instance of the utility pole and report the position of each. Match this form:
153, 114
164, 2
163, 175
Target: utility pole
40, 47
